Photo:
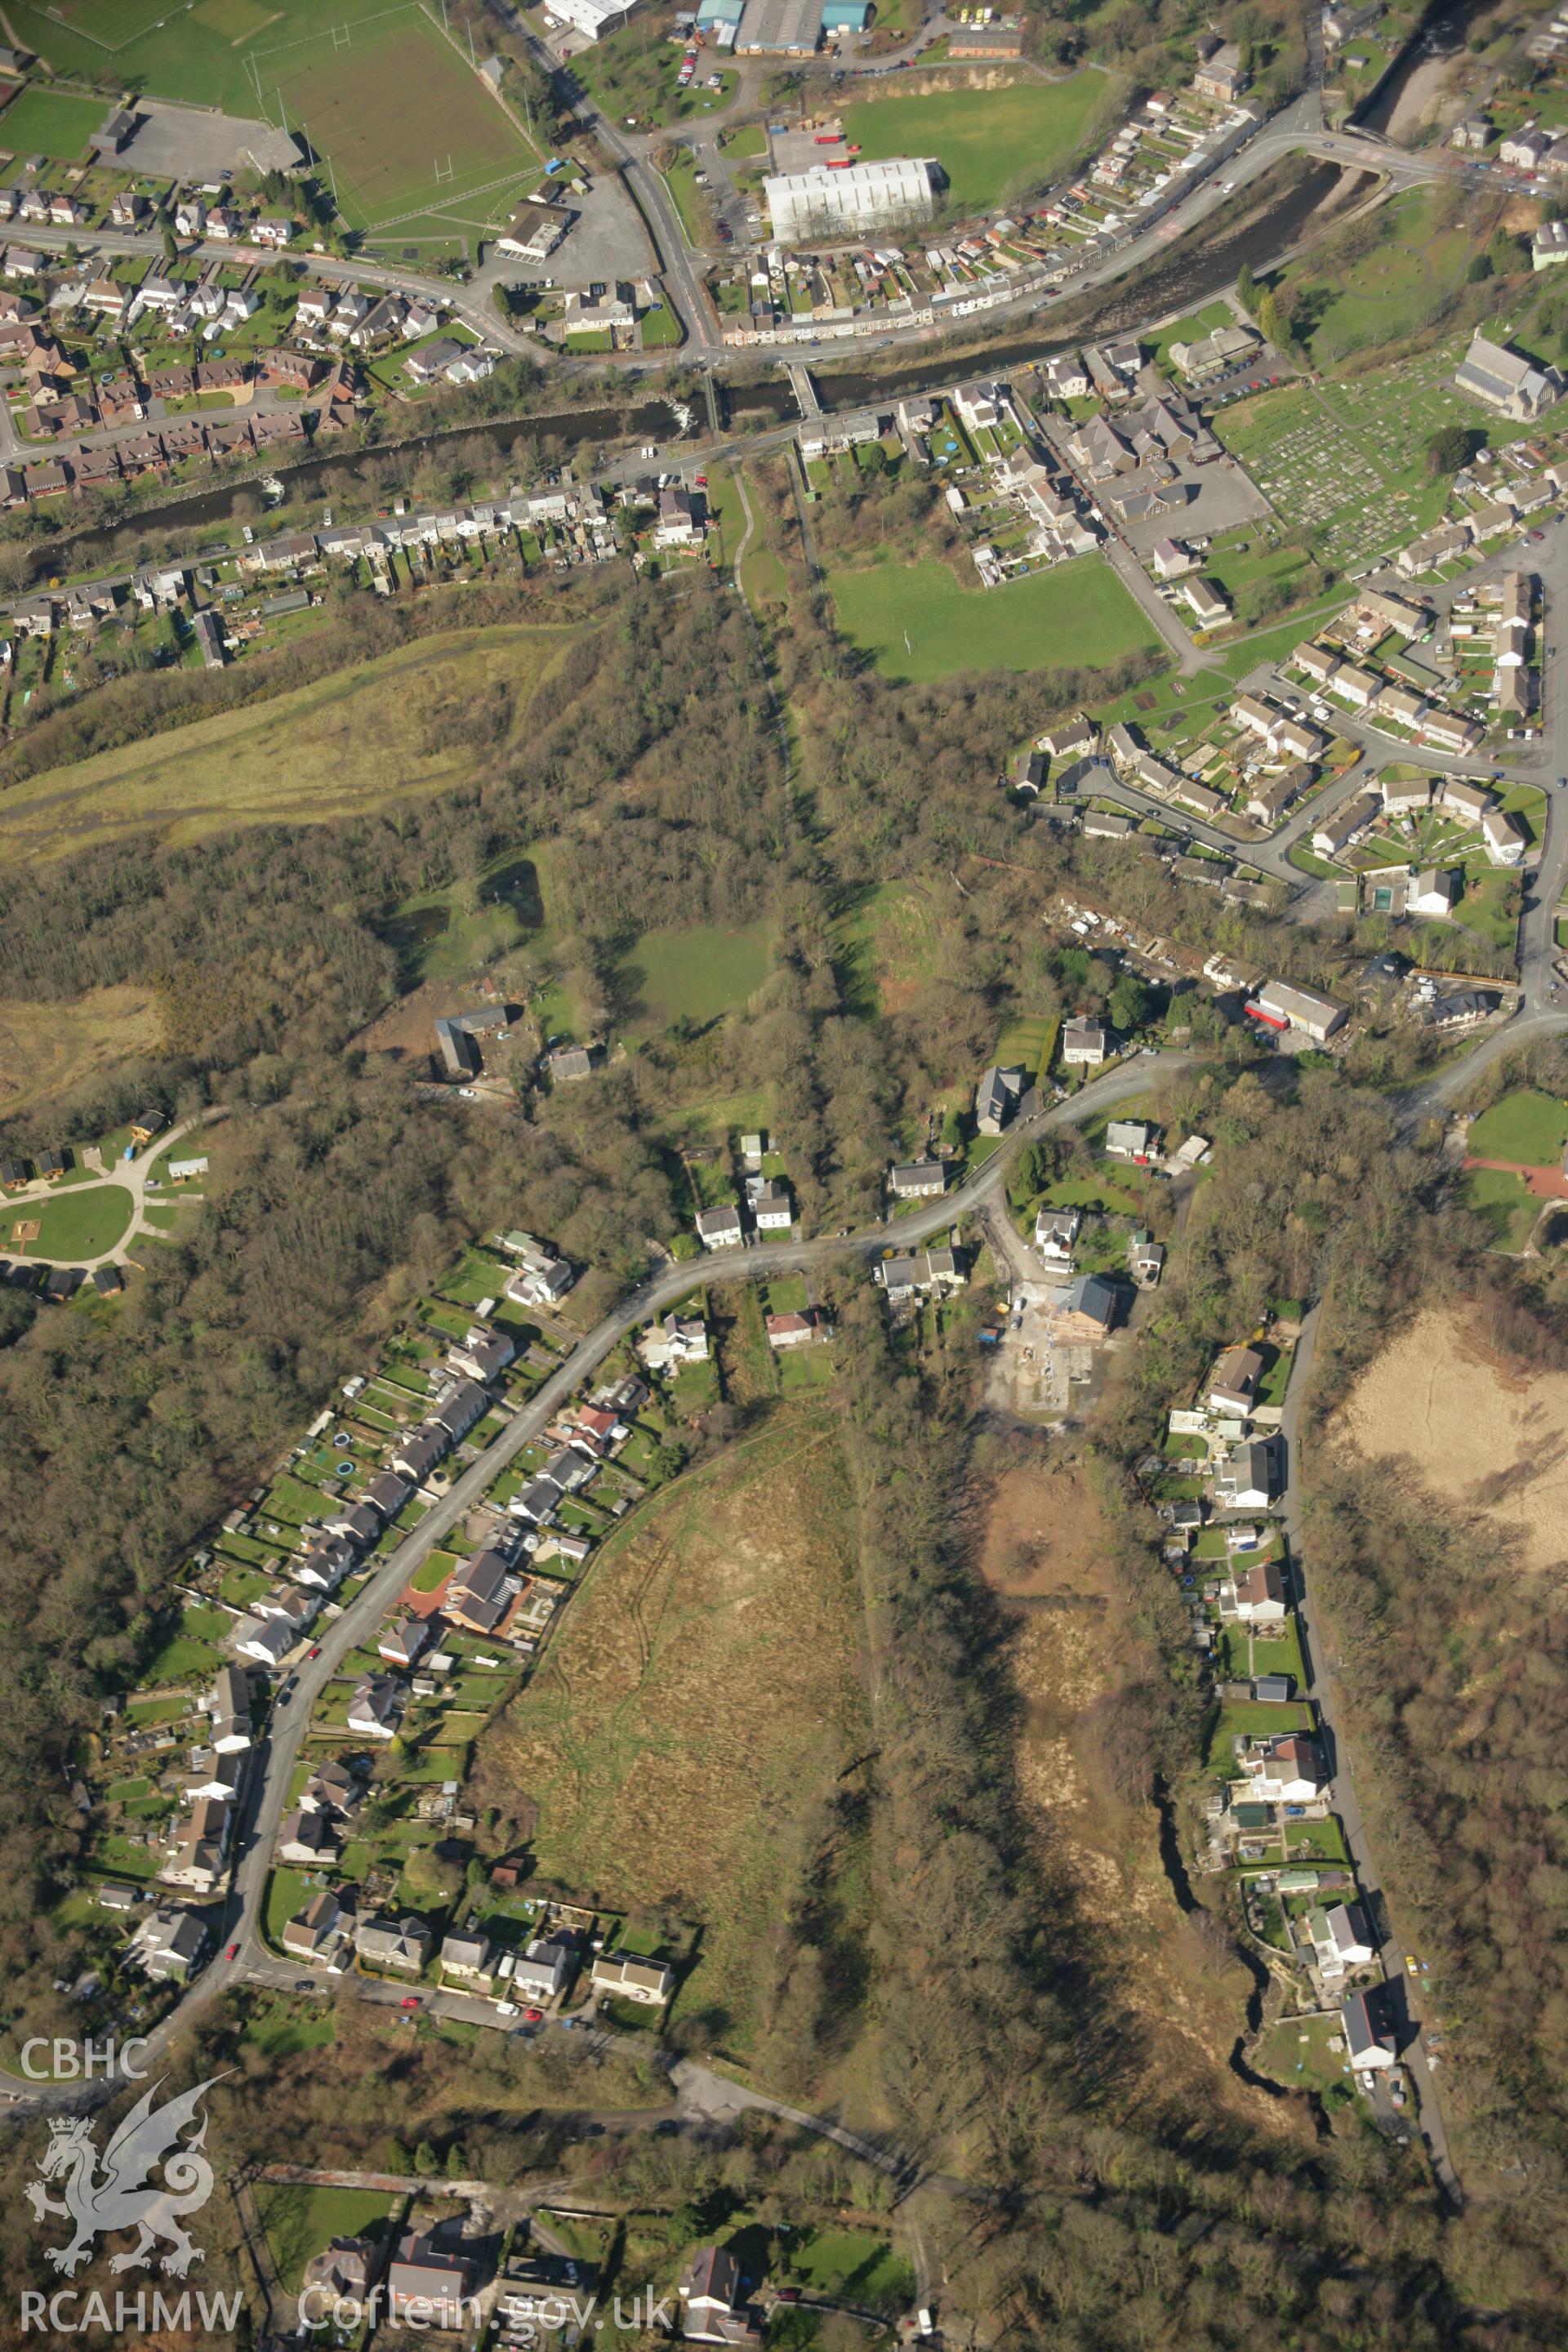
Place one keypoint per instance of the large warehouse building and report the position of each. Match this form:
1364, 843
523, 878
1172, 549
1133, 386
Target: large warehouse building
594, 17
808, 207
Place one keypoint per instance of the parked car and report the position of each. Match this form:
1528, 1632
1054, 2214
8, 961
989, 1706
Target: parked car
409, 2001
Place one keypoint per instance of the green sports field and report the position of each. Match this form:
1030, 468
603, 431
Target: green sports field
405, 123
48, 122
1528, 1127
918, 624
113, 25
198, 55
987, 141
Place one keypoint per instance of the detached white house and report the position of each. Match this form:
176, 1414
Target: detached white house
1055, 1230
1083, 1042
1288, 1770
1368, 2040
1341, 1938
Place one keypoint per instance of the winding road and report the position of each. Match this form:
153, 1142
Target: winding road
125, 1176
265, 1798
700, 2093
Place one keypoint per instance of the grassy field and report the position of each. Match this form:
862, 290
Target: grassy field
1023, 1040
660, 330
696, 1704
50, 122
1488, 904
47, 1047
340, 744
890, 945
698, 974
81, 1222
301, 2221
201, 55
1390, 291
116, 23
1297, 2052
1503, 1203
195, 1648
918, 624
679, 177
403, 120
1530, 1127
286, 2027
763, 577
853, 2263
987, 141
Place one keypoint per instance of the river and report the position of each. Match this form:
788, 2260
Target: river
1168, 286
1444, 26
1184, 282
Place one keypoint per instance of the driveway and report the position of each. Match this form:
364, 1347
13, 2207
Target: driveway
127, 1176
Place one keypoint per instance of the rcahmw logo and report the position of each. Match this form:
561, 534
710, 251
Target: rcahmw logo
100, 2196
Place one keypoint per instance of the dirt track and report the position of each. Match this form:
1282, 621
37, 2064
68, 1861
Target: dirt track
1490, 1442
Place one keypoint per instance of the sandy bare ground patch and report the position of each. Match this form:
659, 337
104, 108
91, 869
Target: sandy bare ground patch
46, 1047
1421, 101
407, 1030
1485, 1441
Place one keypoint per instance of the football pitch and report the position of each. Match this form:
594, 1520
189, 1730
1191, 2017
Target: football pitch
115, 24
987, 141
401, 117
379, 91
918, 624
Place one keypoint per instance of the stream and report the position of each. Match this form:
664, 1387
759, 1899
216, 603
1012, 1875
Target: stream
1443, 28
1175, 1869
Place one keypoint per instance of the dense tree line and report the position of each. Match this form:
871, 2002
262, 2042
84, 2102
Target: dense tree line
652, 783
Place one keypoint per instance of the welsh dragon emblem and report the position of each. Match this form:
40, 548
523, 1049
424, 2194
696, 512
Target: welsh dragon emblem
122, 2196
